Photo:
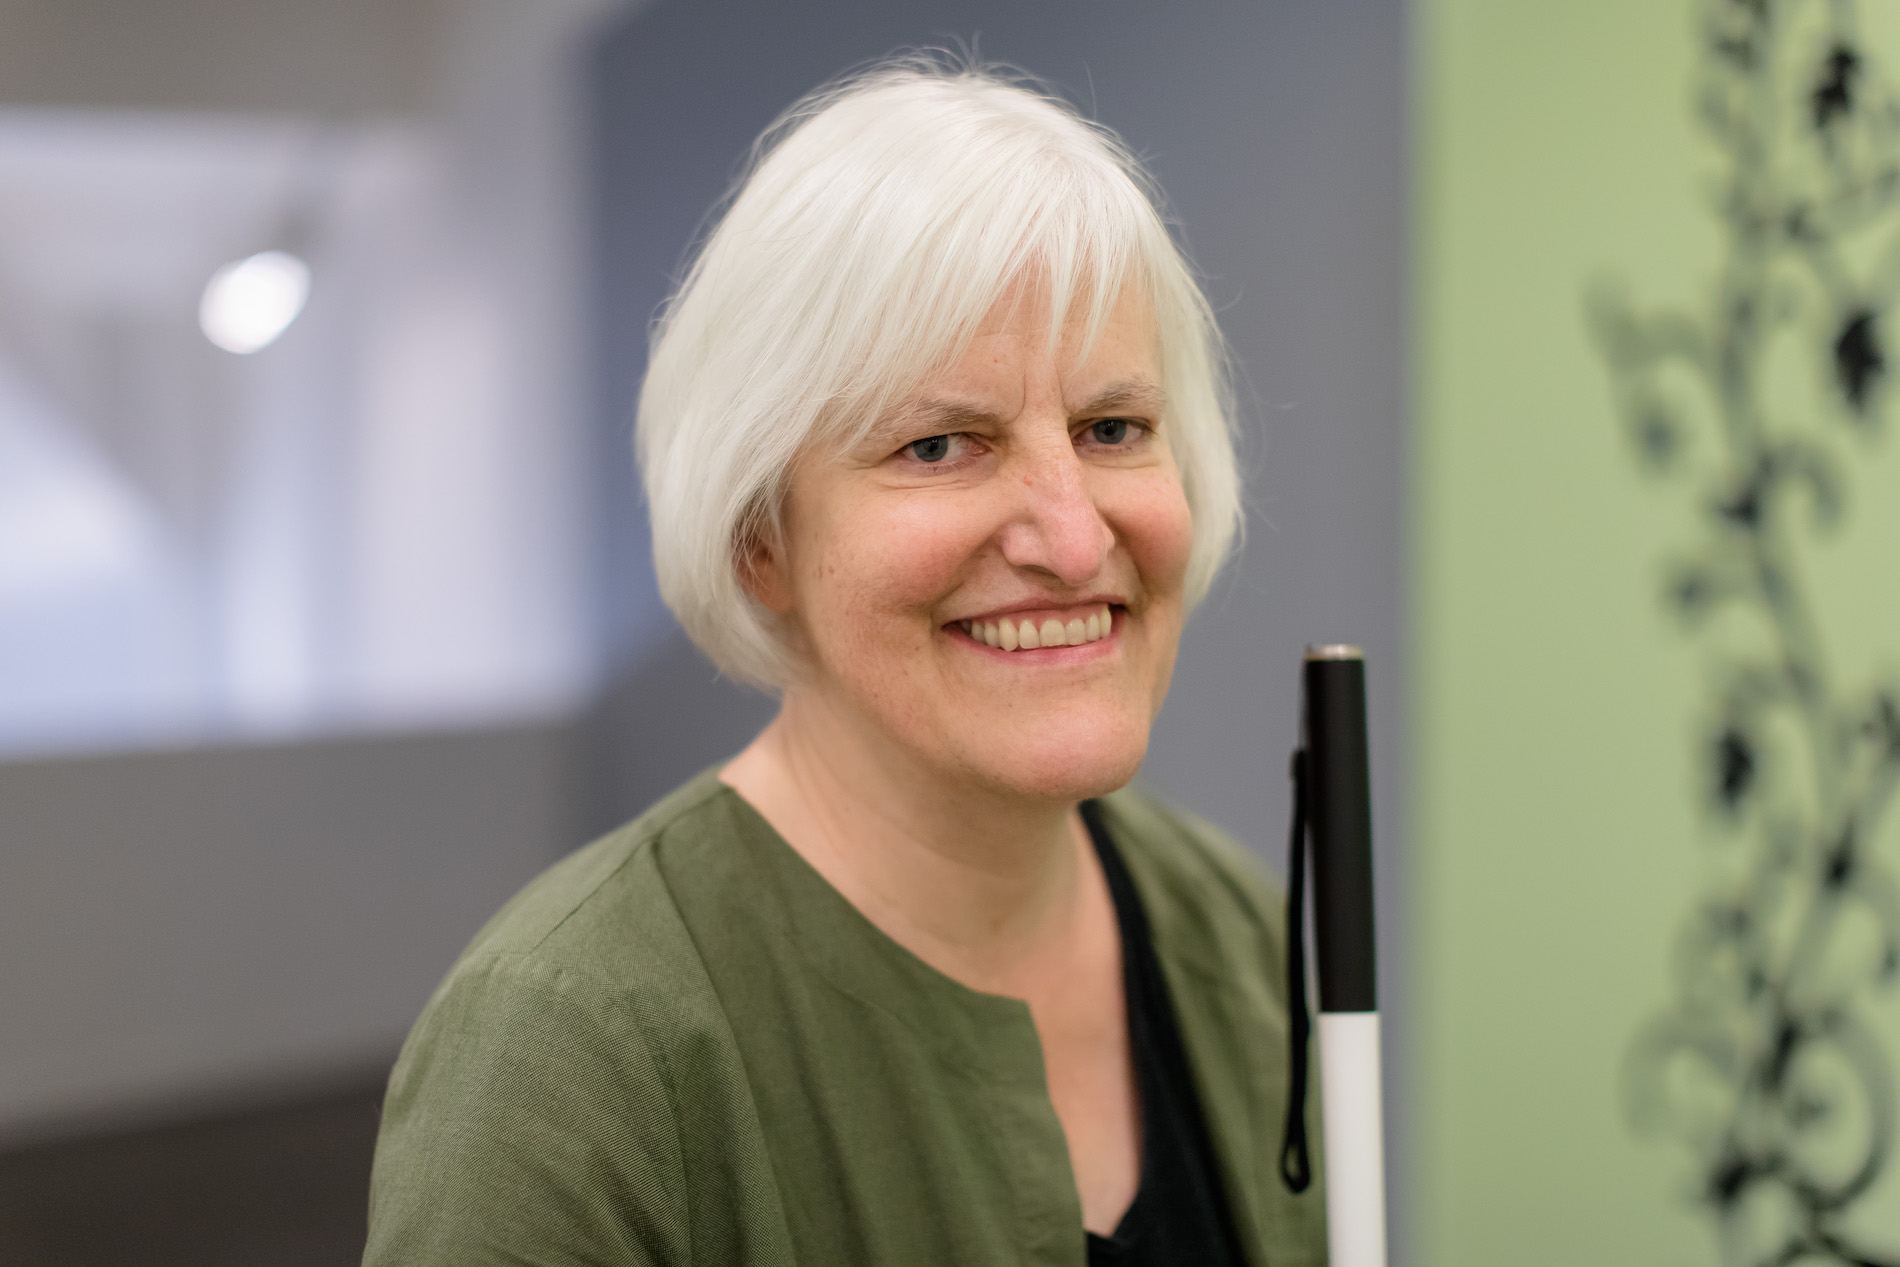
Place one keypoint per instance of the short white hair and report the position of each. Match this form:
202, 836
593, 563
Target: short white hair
880, 220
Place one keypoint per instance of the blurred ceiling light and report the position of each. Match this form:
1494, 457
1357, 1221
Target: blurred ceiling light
249, 302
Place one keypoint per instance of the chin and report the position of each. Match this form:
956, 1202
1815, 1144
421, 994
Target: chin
1068, 763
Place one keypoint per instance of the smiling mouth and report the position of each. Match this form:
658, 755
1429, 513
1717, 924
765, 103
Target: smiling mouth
1028, 632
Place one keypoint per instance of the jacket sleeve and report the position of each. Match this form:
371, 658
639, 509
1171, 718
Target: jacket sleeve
528, 1121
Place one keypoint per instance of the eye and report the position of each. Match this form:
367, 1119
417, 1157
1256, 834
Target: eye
1110, 431
930, 448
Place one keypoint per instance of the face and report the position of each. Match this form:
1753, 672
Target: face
993, 581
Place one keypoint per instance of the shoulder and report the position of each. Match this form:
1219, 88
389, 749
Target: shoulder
541, 1106
597, 939
576, 912
596, 935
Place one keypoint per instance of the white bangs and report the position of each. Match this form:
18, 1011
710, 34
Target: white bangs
883, 220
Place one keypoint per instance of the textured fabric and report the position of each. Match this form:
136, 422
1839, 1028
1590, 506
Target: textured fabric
1179, 1214
682, 1046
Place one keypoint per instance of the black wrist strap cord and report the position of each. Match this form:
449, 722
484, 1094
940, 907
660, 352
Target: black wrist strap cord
1296, 1164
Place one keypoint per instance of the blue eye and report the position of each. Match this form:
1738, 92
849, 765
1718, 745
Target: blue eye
1110, 430
930, 449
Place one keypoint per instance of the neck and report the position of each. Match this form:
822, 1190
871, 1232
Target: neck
981, 883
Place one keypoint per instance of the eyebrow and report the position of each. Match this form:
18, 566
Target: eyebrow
1131, 393
941, 416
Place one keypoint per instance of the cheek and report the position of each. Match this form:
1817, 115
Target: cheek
1158, 531
1154, 523
878, 563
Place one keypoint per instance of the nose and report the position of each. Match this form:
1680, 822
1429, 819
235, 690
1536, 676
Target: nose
1058, 530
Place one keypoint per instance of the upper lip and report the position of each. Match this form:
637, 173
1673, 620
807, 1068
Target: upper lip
1044, 603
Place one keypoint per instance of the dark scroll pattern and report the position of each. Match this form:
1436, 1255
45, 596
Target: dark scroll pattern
1760, 404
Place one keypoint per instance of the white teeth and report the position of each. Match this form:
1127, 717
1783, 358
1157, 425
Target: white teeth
1011, 635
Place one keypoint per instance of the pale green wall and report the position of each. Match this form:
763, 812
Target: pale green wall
1557, 845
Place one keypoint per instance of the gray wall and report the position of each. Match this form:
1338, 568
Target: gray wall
180, 931
1278, 130
343, 59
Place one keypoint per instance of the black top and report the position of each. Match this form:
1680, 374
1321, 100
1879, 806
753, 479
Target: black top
1179, 1215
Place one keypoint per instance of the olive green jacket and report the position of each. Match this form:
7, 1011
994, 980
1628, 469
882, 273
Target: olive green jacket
682, 1046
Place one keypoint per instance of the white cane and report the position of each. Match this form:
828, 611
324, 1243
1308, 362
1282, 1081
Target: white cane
1332, 805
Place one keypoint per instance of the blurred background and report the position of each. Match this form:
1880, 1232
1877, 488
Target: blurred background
327, 617
326, 612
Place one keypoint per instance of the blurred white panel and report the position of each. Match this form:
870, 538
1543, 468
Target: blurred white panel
94, 607
65, 523
376, 518
434, 619
112, 211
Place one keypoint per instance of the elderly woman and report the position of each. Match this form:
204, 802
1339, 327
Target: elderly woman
935, 442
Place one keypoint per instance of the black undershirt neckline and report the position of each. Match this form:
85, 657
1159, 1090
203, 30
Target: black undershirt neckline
1179, 1214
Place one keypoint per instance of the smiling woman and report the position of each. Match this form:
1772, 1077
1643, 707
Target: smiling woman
935, 443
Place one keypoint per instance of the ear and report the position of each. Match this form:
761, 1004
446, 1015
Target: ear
763, 571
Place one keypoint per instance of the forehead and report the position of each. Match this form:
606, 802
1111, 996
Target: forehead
1027, 313
1087, 353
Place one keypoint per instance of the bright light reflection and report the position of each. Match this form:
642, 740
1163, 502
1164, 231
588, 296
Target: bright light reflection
249, 302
